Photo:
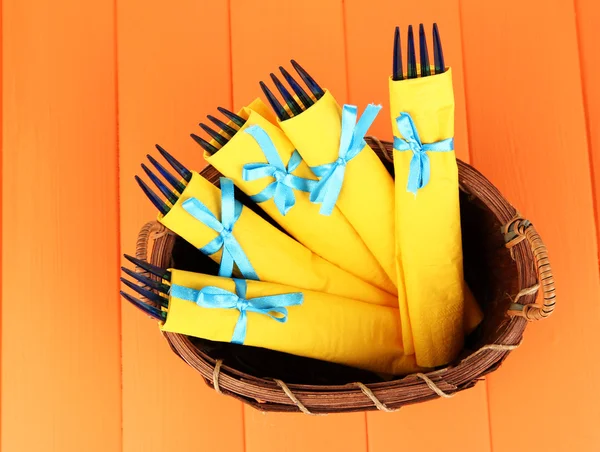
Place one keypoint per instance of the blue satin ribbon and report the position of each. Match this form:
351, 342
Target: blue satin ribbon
282, 189
230, 212
352, 142
420, 167
274, 306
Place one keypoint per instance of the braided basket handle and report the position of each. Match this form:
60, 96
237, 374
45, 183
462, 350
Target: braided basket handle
517, 230
153, 230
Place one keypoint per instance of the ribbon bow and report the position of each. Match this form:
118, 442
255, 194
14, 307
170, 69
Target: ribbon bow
282, 189
230, 212
274, 306
420, 167
352, 142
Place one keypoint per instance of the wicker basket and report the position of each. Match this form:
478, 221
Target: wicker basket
506, 264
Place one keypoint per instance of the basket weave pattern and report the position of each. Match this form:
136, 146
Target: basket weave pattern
506, 265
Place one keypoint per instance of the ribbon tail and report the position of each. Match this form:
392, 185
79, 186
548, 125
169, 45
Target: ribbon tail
234, 251
239, 333
334, 187
425, 170
294, 161
284, 198
226, 265
266, 194
414, 174
318, 192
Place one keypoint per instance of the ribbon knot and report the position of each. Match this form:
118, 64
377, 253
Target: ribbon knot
241, 305
282, 189
274, 306
341, 161
420, 166
230, 212
352, 142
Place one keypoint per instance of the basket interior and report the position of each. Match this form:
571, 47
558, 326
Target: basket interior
489, 271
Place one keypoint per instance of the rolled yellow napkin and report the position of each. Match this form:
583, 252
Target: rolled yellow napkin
282, 318
264, 164
213, 221
352, 176
366, 197
258, 106
428, 231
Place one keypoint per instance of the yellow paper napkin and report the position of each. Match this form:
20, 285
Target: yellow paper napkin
263, 163
272, 255
428, 231
367, 191
282, 318
367, 195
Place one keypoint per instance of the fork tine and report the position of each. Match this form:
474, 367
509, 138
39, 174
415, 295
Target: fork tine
214, 134
153, 197
152, 269
182, 170
397, 64
171, 197
150, 310
221, 125
438, 54
425, 68
411, 67
172, 180
279, 110
205, 144
157, 285
289, 99
304, 98
146, 293
232, 116
310, 82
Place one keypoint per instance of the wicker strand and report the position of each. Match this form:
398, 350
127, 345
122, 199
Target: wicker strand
158, 235
518, 309
499, 347
495, 348
382, 148
380, 406
216, 373
527, 291
433, 386
294, 399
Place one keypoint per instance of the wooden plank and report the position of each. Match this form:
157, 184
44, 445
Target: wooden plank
587, 13
265, 35
528, 136
370, 62
173, 69
61, 372
295, 432
434, 425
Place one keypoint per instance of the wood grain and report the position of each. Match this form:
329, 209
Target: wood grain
88, 88
61, 372
587, 15
173, 69
528, 135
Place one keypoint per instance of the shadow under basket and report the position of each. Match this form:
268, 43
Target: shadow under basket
505, 263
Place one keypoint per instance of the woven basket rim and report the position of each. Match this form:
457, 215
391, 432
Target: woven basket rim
274, 395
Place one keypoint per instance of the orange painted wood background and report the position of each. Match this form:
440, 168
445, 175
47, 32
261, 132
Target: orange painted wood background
88, 87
